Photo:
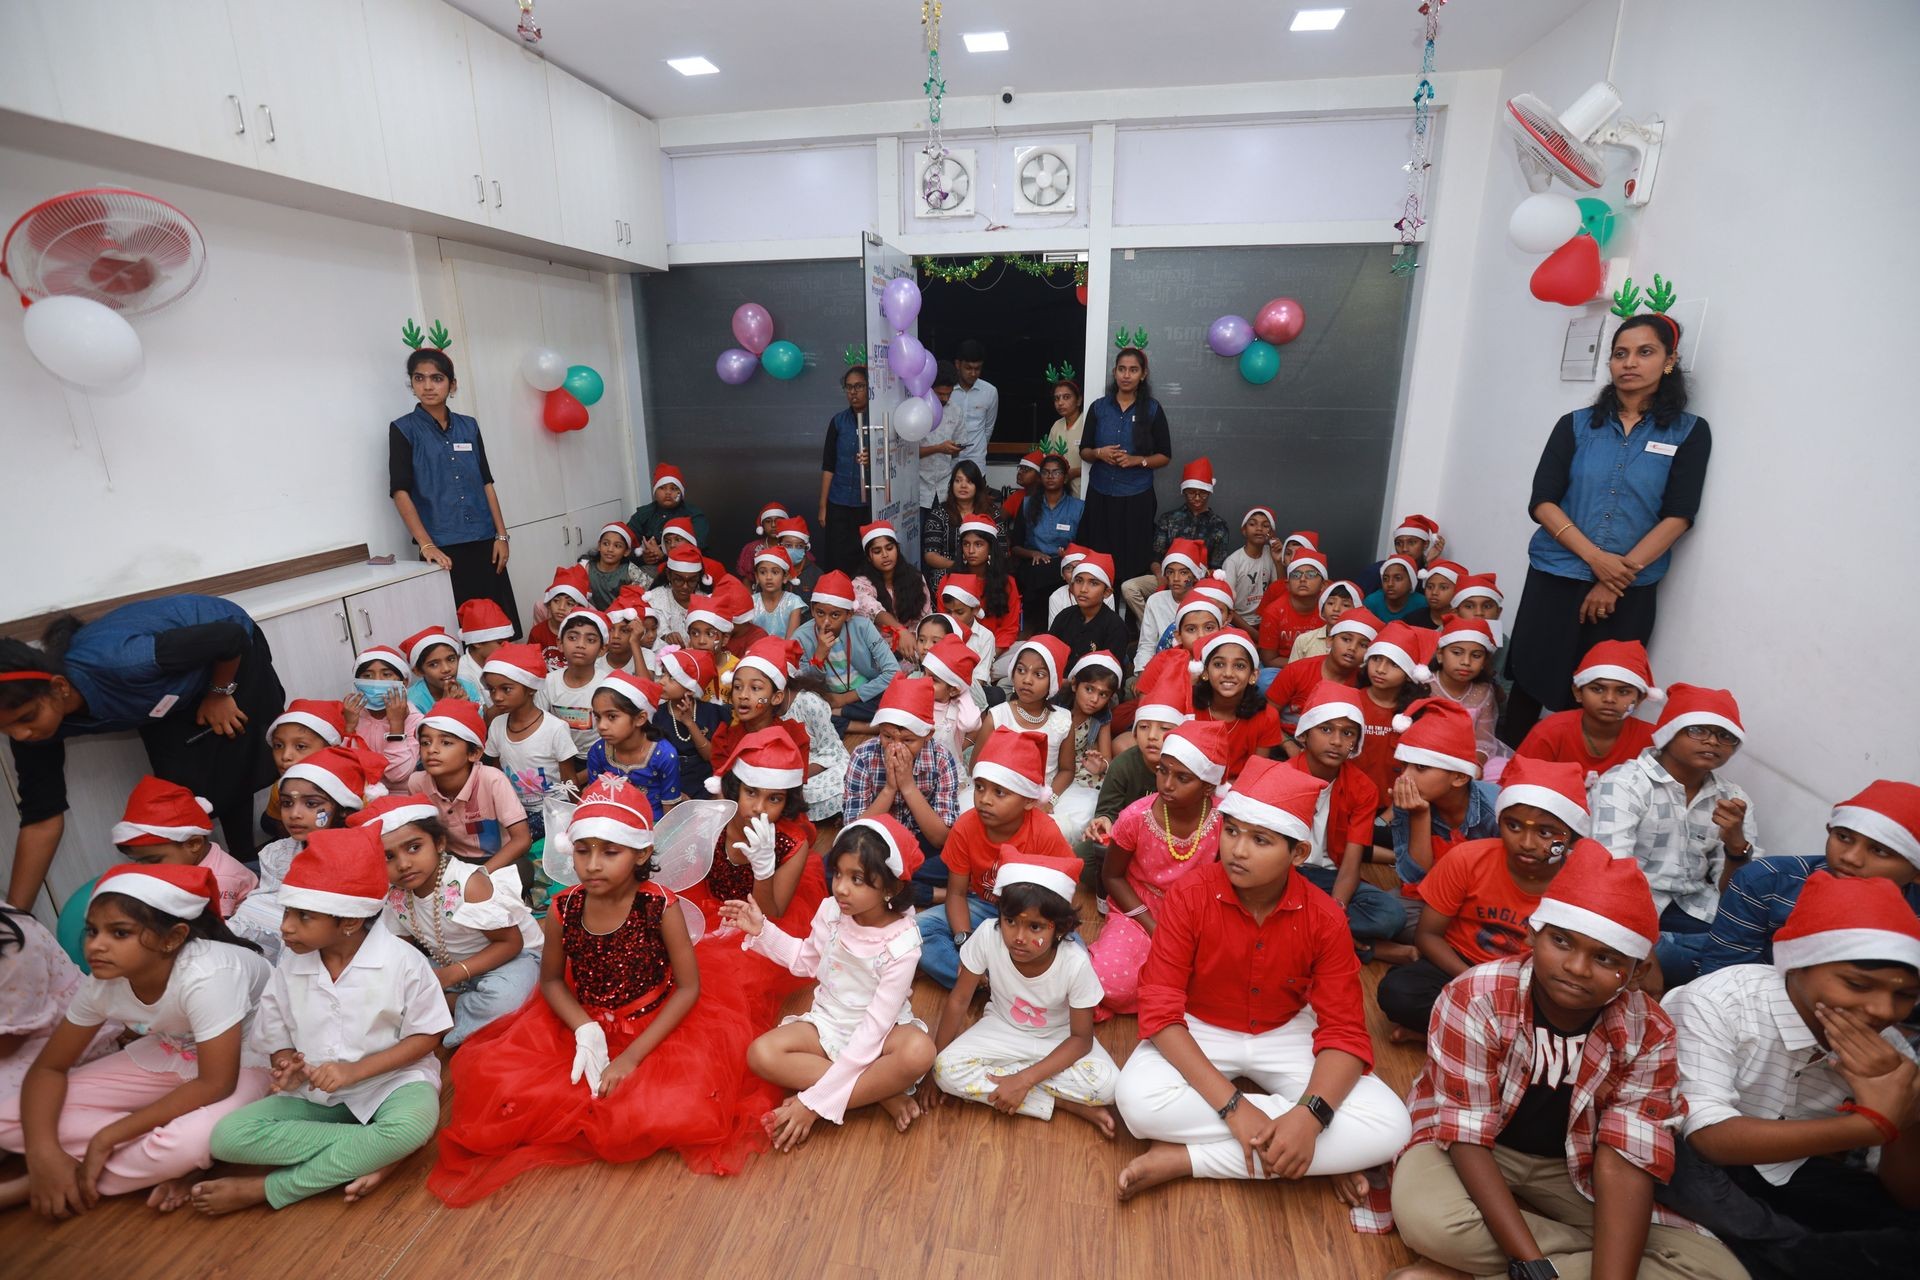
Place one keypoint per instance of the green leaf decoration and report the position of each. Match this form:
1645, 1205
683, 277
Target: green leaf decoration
1661, 297
1055, 447
1120, 338
1064, 371
439, 337
1626, 299
855, 354
1140, 338
411, 335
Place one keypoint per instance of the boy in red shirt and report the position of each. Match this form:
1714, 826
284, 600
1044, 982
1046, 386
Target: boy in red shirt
1291, 607
1274, 946
1478, 900
1614, 679
1347, 642
1010, 777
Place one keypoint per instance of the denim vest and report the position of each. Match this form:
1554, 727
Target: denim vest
448, 491
111, 662
846, 491
1615, 489
1108, 424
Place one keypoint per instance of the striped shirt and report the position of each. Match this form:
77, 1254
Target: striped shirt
1641, 811
1757, 902
1746, 1051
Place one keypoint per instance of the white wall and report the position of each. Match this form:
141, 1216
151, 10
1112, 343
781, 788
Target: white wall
257, 432
1780, 204
801, 193
1279, 171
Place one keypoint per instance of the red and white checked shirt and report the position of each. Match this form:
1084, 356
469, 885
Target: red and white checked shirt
1626, 1090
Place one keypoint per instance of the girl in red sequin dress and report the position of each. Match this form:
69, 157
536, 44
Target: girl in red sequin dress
626, 1055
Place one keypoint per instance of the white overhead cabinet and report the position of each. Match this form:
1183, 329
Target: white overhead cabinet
516, 149
311, 108
424, 95
637, 198
583, 161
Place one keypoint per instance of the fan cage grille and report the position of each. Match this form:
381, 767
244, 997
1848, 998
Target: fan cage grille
124, 249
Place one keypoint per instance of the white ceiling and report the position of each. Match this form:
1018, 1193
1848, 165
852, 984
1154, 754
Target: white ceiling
775, 54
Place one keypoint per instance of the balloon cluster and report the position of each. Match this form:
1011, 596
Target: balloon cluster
1258, 341
1572, 233
569, 388
753, 330
915, 417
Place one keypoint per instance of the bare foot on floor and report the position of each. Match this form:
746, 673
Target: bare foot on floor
1100, 1118
13, 1192
903, 1109
1403, 1035
1163, 1162
362, 1187
225, 1195
170, 1195
1394, 953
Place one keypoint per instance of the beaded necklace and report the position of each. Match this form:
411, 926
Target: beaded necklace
1192, 841
430, 918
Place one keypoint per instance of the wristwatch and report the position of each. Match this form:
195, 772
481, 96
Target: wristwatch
503, 537
1537, 1269
1317, 1108
1227, 1108
960, 939
228, 689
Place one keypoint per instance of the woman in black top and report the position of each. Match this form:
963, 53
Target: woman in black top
1126, 440
940, 529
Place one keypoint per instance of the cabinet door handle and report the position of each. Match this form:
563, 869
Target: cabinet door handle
267, 111
629, 228
577, 536
346, 633
496, 193
479, 190
239, 114
566, 536
366, 621
616, 231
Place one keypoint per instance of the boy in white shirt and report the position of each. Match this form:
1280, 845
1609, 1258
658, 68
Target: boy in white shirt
533, 747
1250, 570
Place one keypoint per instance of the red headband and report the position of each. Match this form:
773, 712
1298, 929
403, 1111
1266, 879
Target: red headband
25, 675
1673, 328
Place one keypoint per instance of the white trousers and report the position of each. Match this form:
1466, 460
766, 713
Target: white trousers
1158, 1104
1073, 810
992, 1048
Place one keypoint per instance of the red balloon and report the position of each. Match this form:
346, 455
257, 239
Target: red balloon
1572, 275
1080, 292
563, 411
1280, 321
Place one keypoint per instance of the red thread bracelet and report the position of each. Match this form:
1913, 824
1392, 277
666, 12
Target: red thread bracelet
1888, 1130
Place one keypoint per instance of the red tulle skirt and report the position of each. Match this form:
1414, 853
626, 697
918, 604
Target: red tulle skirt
514, 1108
760, 986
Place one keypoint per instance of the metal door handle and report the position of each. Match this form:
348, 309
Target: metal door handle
629, 227
566, 536
616, 231
496, 193
479, 190
366, 620
239, 114
579, 538
346, 634
268, 112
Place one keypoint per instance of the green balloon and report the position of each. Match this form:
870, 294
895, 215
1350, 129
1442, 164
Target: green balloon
1260, 362
584, 384
783, 360
1596, 216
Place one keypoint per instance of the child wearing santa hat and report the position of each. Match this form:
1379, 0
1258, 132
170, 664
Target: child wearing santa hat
1876, 835
484, 818
1093, 687
349, 1021
141, 1117
528, 743
568, 691
1439, 799
1038, 668
1416, 537
772, 686
904, 771
1242, 948
1393, 677
846, 650
983, 555
682, 574
685, 718
1336, 598
1790, 1069
316, 793
1182, 563
1476, 901
1670, 810
1089, 626
628, 744
612, 565
1438, 582
766, 524
776, 610
483, 627
710, 626
649, 520
434, 657
1396, 599
1165, 703
1194, 520
1613, 681
1343, 662
1463, 673
1291, 607
760, 853
1250, 568
858, 1044
1226, 690
1552, 1081
960, 595
306, 726
1062, 597
569, 590
164, 823
380, 687
1032, 1052
952, 667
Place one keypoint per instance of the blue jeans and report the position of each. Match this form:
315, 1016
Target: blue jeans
939, 953
493, 995
1374, 915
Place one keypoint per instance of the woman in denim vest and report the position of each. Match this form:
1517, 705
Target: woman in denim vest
1617, 485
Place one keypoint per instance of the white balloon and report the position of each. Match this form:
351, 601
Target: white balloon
543, 368
82, 342
1544, 222
912, 420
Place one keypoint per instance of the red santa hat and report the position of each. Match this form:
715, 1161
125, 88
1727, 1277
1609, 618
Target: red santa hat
1197, 603
1061, 876
834, 589
1358, 621
773, 555
1560, 788
344, 774
1188, 552
1014, 760
1329, 702
772, 511
1408, 648
1030, 461
629, 606
1847, 918
1220, 640
1405, 562
903, 849
1603, 897
420, 643
1197, 474
693, 668
381, 653
1417, 526
908, 704
182, 892
682, 528
1448, 569
1437, 732
623, 529
1309, 558
684, 559
773, 657
1167, 696
667, 473
1689, 704
982, 525
964, 587
1204, 747
951, 660
571, 581
1073, 555
1887, 812
161, 812
1099, 658
1484, 586
326, 718
793, 527
1456, 630
766, 758
390, 813
1098, 565
341, 872
1259, 511
708, 610
1275, 796
1053, 652
458, 717
588, 617
482, 620
878, 529
1352, 589
732, 600
614, 810
1215, 589
1622, 660
644, 694
1309, 538
521, 663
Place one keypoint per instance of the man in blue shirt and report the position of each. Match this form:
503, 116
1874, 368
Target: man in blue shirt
844, 506
974, 406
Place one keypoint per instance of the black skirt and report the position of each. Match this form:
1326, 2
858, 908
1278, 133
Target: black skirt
1123, 528
474, 578
1548, 638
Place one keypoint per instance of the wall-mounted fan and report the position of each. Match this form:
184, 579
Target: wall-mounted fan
1043, 180
951, 191
1566, 145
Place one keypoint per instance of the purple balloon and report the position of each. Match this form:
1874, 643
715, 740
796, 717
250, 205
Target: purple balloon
900, 302
736, 366
932, 366
905, 355
752, 327
919, 381
933, 403
1230, 335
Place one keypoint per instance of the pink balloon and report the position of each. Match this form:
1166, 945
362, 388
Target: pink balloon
1280, 321
752, 326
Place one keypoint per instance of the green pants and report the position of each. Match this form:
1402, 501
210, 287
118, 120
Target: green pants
319, 1148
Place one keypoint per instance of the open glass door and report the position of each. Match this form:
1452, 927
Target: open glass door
893, 469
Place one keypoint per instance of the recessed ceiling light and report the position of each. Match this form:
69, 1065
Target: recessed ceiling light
1317, 19
986, 41
692, 66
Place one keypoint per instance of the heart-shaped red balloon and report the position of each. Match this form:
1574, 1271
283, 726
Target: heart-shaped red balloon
563, 411
1572, 275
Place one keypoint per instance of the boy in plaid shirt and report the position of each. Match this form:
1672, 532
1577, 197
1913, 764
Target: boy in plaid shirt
1550, 1081
902, 771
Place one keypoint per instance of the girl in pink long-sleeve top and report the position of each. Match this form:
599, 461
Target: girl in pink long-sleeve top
860, 1043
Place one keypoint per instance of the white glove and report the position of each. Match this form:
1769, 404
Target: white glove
758, 846
589, 1055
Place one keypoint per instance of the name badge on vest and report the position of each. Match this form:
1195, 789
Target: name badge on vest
463, 448
163, 706
1664, 450
1064, 528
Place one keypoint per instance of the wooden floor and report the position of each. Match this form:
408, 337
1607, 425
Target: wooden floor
964, 1193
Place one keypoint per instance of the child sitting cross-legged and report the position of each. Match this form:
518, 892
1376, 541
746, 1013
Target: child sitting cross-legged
904, 772
569, 690
1033, 1051
1252, 975
686, 719
1438, 799
1543, 1117
629, 744
1611, 683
